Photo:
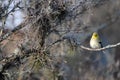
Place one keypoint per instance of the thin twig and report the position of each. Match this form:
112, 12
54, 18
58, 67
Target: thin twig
100, 49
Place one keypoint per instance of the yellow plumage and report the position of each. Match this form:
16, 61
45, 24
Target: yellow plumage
95, 41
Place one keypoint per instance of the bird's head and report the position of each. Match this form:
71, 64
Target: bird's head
95, 35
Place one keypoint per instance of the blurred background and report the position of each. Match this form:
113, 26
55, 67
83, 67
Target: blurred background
42, 39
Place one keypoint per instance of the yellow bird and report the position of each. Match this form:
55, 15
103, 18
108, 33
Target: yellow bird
95, 41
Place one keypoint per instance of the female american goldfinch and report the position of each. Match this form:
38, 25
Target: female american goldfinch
95, 41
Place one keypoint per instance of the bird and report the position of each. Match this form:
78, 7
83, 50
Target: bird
100, 58
95, 41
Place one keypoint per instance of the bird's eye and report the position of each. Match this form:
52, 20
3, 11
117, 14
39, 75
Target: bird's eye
95, 35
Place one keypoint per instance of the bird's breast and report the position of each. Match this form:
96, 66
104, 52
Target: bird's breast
95, 44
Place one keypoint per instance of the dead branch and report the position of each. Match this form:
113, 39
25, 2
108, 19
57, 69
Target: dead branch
100, 49
10, 33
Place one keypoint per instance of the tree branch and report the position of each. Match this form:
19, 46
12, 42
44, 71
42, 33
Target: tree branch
100, 49
10, 33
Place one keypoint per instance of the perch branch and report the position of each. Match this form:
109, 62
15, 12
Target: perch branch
100, 49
